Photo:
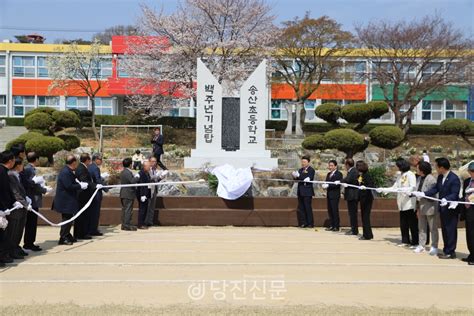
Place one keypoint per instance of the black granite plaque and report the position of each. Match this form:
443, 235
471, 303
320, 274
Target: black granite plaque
230, 124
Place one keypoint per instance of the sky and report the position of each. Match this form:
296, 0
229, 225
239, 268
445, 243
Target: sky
72, 19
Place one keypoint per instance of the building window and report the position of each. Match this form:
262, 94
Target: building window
278, 110
432, 69
310, 106
355, 71
104, 106
404, 108
80, 103
432, 110
122, 73
23, 104
3, 70
456, 109
103, 69
42, 67
340, 102
52, 102
24, 66
3, 105
346, 102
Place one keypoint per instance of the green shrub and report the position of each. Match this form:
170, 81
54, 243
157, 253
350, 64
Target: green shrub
45, 109
362, 113
41, 131
41, 121
346, 140
22, 139
110, 120
70, 141
66, 119
330, 112
212, 182
277, 125
387, 137
45, 146
456, 126
14, 121
315, 141
379, 176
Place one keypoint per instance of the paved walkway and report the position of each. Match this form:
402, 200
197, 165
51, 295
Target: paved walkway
9, 133
270, 267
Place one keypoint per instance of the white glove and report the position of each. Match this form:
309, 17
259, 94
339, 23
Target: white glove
164, 174
2, 214
48, 189
83, 185
344, 185
380, 190
28, 200
137, 175
418, 194
337, 182
325, 186
3, 222
444, 202
453, 205
99, 186
143, 198
307, 179
469, 190
363, 187
38, 179
105, 175
29, 208
17, 205
295, 174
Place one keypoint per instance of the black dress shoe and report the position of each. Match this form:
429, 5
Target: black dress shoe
71, 238
21, 252
65, 241
6, 259
2, 264
471, 263
96, 234
329, 229
335, 229
302, 226
129, 228
16, 256
467, 259
86, 237
447, 256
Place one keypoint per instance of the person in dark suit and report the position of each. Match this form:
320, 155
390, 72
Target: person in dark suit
7, 200
127, 194
94, 171
447, 187
468, 214
65, 201
156, 176
143, 195
305, 193
81, 224
351, 195
366, 199
333, 195
17, 219
158, 142
34, 190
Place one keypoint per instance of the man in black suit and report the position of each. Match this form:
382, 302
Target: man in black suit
65, 201
35, 189
468, 213
143, 195
351, 195
305, 193
158, 142
447, 187
81, 224
7, 160
127, 194
94, 171
333, 195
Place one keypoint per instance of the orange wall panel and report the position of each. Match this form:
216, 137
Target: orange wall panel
40, 87
283, 91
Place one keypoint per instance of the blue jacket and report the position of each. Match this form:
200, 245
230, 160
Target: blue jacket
306, 189
33, 191
449, 190
65, 200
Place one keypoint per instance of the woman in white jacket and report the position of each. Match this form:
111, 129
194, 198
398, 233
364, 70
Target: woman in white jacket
406, 204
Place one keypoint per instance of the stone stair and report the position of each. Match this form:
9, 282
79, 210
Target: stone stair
9, 133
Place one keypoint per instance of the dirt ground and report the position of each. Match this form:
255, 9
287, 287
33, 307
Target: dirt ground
235, 271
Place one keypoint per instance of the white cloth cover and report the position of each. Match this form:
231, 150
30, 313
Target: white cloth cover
233, 183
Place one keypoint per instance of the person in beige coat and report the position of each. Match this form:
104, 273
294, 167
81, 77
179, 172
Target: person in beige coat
428, 212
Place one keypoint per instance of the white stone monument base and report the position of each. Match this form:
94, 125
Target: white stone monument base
261, 160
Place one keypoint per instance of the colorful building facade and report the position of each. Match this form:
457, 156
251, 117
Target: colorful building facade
24, 85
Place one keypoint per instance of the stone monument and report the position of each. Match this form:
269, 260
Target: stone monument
231, 129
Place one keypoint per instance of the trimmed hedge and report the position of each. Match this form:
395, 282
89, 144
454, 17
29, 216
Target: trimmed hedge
330, 112
38, 120
45, 109
66, 119
22, 139
387, 137
71, 141
345, 140
454, 126
14, 121
45, 146
313, 142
